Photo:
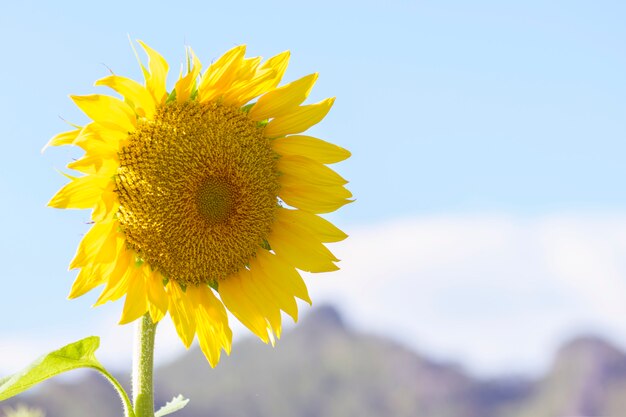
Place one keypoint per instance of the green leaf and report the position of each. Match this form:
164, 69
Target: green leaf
177, 403
75, 355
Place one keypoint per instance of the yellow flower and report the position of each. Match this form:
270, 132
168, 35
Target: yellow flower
202, 200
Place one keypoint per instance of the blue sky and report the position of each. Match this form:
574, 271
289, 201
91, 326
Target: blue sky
484, 125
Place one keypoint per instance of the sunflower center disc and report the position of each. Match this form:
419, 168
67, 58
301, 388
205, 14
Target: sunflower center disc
198, 190
215, 200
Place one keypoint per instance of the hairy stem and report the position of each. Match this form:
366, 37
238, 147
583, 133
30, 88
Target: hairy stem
143, 364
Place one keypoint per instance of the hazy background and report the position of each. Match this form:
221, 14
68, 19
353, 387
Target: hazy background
488, 164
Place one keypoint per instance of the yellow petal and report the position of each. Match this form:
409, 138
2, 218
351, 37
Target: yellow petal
298, 120
108, 204
88, 278
300, 248
283, 275
265, 79
132, 91
144, 71
96, 146
267, 302
237, 301
156, 314
283, 100
247, 68
308, 171
80, 193
110, 112
65, 138
157, 297
99, 245
321, 228
184, 85
278, 64
314, 199
118, 279
212, 327
95, 138
182, 312
96, 149
100, 159
97, 165
316, 149
95, 274
218, 77
241, 93
269, 287
135, 304
156, 82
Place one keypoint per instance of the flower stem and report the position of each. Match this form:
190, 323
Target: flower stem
143, 363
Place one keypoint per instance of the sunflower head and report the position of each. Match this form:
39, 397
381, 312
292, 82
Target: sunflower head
205, 198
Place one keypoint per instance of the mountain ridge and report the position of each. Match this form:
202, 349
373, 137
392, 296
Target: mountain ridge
323, 367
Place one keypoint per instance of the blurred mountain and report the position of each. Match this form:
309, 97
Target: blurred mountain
323, 368
587, 378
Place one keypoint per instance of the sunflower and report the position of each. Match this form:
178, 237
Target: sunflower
206, 198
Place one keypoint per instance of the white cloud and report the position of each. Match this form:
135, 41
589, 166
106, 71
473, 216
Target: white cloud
497, 292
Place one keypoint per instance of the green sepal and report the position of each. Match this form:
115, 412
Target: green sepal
80, 354
247, 107
178, 403
138, 261
171, 97
266, 245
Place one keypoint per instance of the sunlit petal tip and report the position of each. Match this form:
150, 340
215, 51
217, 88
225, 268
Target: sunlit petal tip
132, 91
278, 64
157, 76
271, 338
187, 82
221, 74
299, 120
144, 71
181, 311
300, 168
156, 292
80, 193
88, 279
108, 111
310, 147
319, 227
283, 100
136, 303
279, 58
64, 138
